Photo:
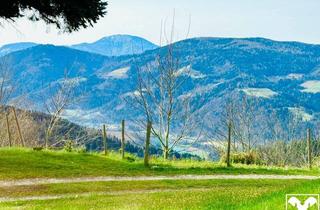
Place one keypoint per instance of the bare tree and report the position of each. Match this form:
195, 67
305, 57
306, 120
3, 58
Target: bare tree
284, 139
6, 87
6, 90
245, 122
56, 103
242, 113
159, 96
217, 127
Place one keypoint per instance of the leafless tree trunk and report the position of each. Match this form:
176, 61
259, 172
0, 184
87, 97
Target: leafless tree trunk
309, 147
8, 130
18, 127
104, 138
147, 144
229, 143
122, 138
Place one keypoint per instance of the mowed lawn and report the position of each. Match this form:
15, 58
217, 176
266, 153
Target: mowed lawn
25, 163
186, 194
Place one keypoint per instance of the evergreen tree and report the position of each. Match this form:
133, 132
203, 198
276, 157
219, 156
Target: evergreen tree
67, 15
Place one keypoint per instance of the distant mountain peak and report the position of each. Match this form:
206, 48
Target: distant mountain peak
120, 36
13, 47
117, 45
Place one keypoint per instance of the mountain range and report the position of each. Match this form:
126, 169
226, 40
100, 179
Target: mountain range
284, 75
115, 45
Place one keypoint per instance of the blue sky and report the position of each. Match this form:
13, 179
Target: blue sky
293, 20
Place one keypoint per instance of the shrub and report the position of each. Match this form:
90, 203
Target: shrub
81, 149
282, 153
248, 158
37, 148
316, 161
68, 145
130, 159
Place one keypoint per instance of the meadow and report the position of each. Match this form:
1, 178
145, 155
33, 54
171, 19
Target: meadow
20, 163
189, 194
17, 164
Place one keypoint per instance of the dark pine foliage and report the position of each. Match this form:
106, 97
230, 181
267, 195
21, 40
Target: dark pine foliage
69, 15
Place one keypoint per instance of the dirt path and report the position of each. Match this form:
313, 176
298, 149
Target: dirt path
79, 195
39, 181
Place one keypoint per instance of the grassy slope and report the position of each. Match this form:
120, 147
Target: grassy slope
210, 194
25, 163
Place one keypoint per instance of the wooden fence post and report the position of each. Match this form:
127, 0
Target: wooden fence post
122, 139
309, 148
104, 137
229, 144
18, 126
147, 144
8, 130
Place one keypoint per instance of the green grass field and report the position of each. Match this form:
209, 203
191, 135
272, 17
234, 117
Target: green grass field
166, 194
188, 194
26, 163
